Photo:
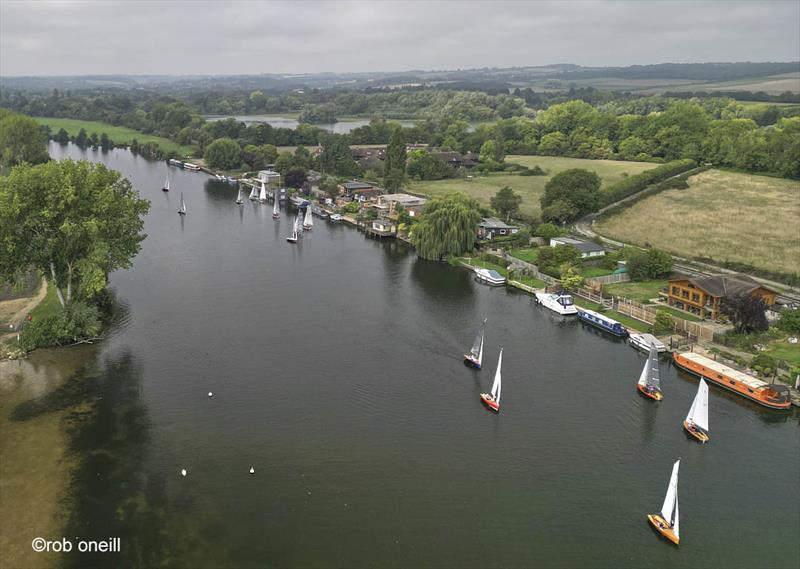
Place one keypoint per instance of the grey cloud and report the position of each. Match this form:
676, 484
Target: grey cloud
60, 38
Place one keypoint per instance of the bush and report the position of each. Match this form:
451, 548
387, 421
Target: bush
636, 183
351, 207
78, 321
489, 258
764, 364
547, 231
652, 264
790, 321
663, 323
535, 171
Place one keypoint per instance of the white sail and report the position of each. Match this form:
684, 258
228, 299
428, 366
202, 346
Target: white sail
166, 183
643, 375
477, 345
698, 413
253, 194
263, 195
275, 210
309, 220
183, 204
649, 375
669, 511
239, 196
676, 523
496, 386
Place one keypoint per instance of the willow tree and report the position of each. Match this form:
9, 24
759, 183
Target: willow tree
448, 227
74, 221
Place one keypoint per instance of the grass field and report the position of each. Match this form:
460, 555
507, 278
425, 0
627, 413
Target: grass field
771, 84
529, 254
641, 291
723, 216
119, 134
530, 188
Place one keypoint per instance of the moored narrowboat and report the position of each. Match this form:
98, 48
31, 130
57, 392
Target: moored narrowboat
774, 396
603, 322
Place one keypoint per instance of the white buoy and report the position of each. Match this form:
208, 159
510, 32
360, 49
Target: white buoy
210, 394
183, 472
252, 470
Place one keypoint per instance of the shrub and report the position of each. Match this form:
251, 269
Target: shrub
764, 364
534, 171
663, 323
636, 183
76, 322
790, 321
351, 207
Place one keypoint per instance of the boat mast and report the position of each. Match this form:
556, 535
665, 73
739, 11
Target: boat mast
652, 365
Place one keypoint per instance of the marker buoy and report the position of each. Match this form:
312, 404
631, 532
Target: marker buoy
183, 472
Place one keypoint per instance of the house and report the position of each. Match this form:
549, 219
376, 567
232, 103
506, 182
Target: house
383, 227
366, 195
412, 204
269, 177
703, 296
491, 227
456, 159
587, 248
347, 188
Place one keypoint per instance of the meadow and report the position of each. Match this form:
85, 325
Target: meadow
771, 84
723, 216
531, 188
119, 134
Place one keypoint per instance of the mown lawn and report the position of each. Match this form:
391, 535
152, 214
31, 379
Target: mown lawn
589, 272
531, 188
723, 216
49, 305
641, 291
529, 254
783, 350
119, 134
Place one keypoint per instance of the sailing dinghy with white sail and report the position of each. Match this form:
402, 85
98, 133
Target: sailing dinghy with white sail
649, 383
475, 355
295, 231
308, 222
492, 400
182, 210
262, 196
239, 198
696, 423
276, 213
667, 522
253, 193
165, 187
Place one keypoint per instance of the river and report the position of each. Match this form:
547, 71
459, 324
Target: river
336, 373
343, 126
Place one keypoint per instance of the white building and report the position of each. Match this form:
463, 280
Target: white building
587, 248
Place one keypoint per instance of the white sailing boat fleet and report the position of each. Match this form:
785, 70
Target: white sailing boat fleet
696, 422
667, 522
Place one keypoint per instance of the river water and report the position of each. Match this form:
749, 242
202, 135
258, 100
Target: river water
340, 127
336, 371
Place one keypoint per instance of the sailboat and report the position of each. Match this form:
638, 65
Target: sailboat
263, 195
295, 231
649, 384
667, 522
165, 187
475, 355
308, 222
239, 199
696, 423
182, 210
253, 194
276, 213
492, 400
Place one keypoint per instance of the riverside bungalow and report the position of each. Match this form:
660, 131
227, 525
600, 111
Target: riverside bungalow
587, 248
412, 204
491, 227
703, 296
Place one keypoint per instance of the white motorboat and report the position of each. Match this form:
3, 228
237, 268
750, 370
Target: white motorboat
559, 303
644, 341
489, 277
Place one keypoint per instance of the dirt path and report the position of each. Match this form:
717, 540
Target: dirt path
22, 312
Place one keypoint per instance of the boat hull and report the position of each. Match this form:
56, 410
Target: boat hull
490, 403
655, 395
662, 527
620, 332
291, 240
743, 392
469, 361
164, 189
275, 216
696, 433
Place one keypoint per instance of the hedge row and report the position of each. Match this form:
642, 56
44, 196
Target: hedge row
637, 183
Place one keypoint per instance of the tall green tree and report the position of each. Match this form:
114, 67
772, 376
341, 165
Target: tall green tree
747, 312
21, 140
335, 157
506, 202
449, 226
395, 163
223, 153
74, 221
577, 187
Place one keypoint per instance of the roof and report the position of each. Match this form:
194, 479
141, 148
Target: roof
404, 199
447, 156
494, 223
725, 285
718, 367
356, 185
582, 246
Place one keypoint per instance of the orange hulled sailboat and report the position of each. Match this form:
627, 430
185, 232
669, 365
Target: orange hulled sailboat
667, 522
649, 384
492, 400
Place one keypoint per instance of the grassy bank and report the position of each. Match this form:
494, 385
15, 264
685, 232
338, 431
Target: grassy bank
531, 188
626, 321
724, 216
119, 134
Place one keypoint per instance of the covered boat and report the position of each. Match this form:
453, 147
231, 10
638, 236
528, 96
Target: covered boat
603, 322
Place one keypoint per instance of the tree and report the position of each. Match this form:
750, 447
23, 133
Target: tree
335, 157
82, 138
62, 136
94, 139
663, 323
449, 226
74, 221
105, 142
488, 151
648, 265
21, 140
223, 153
423, 165
295, 178
747, 312
577, 187
330, 186
506, 203
790, 321
551, 260
559, 211
547, 231
570, 279
395, 163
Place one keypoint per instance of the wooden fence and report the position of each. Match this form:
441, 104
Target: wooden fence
595, 282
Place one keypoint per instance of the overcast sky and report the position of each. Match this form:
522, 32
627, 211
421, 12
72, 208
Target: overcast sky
206, 37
